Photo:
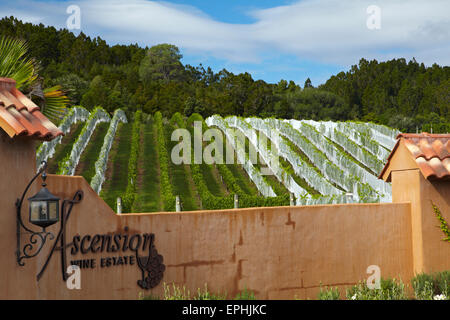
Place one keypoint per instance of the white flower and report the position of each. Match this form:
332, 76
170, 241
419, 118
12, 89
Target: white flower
440, 297
354, 297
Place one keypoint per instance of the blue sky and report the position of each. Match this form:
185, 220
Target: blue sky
272, 40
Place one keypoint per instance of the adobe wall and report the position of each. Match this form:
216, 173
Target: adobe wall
17, 164
430, 252
279, 253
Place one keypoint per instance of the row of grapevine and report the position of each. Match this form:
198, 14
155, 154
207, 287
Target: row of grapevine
68, 165
47, 149
255, 175
164, 158
102, 161
130, 192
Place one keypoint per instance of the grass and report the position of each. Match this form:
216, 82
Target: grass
301, 182
390, 289
148, 198
211, 181
271, 179
182, 183
65, 147
329, 293
176, 292
116, 178
243, 179
86, 165
241, 176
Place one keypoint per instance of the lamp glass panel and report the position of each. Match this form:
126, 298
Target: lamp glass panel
53, 210
38, 211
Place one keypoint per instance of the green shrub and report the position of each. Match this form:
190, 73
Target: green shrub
443, 283
428, 286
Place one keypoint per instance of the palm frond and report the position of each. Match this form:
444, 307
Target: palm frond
14, 62
55, 103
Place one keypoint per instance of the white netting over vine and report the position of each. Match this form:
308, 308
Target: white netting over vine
102, 161
328, 169
328, 199
255, 175
329, 129
342, 160
389, 132
69, 165
47, 149
270, 157
300, 166
362, 135
385, 136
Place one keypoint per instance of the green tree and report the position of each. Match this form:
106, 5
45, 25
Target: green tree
74, 86
97, 95
162, 62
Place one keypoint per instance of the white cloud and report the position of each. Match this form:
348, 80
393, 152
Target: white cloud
327, 31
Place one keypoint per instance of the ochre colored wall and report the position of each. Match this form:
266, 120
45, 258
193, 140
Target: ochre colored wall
430, 252
279, 253
17, 165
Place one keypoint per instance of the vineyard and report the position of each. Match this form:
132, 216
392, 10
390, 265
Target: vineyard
263, 162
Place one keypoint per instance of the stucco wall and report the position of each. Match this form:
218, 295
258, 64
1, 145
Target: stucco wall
17, 165
279, 253
430, 252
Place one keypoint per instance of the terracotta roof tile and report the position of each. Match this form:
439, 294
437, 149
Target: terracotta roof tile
19, 116
431, 152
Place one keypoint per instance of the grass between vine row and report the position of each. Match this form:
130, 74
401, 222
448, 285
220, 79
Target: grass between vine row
116, 177
86, 165
65, 147
180, 176
148, 197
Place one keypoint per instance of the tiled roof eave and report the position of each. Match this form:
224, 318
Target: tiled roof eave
431, 152
21, 117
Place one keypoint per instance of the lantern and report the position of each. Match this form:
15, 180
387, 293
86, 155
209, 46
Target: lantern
44, 208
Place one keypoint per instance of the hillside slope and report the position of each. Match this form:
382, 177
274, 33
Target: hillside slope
271, 161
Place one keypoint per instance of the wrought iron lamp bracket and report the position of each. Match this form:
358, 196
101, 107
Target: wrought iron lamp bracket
37, 239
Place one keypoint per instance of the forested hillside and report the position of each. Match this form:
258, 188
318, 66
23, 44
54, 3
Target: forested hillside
401, 94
